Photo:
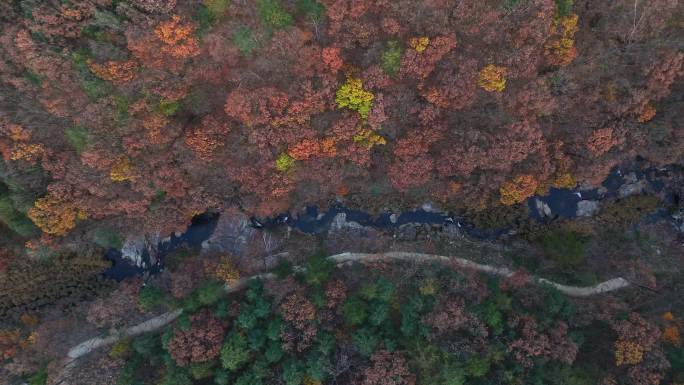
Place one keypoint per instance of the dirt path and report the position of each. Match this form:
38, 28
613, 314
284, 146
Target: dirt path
342, 259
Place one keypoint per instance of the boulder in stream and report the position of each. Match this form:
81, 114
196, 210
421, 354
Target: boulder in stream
587, 208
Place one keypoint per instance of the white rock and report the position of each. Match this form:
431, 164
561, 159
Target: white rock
340, 222
587, 208
543, 209
133, 249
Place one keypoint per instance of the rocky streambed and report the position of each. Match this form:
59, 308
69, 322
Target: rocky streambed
145, 255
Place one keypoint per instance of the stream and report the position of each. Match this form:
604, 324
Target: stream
558, 203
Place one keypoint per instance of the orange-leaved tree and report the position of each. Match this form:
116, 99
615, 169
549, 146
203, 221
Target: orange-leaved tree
518, 189
54, 216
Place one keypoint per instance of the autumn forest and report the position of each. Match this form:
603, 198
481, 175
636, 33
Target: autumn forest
220, 192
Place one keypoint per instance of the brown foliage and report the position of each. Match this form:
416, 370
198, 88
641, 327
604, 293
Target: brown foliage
331, 58
420, 65
206, 139
449, 316
554, 345
169, 45
201, 343
113, 71
300, 314
152, 6
335, 293
387, 369
601, 141
112, 311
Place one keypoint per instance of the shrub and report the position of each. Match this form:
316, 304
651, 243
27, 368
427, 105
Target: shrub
354, 310
676, 358
411, 313
33, 78
169, 107
15, 220
478, 366
366, 341
566, 248
499, 216
235, 352
210, 292
628, 210
121, 349
311, 9
107, 238
244, 40
556, 305
453, 375
205, 19
256, 339
491, 316
379, 313
202, 370
274, 352
284, 163
248, 378
293, 372
221, 377
39, 377
78, 137
318, 270
121, 109
216, 7
283, 269
391, 58
175, 376
272, 14
382, 290
147, 345
150, 297
317, 366
563, 8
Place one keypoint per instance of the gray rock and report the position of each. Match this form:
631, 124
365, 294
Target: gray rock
587, 208
133, 249
429, 207
233, 235
393, 218
630, 178
543, 209
629, 189
340, 222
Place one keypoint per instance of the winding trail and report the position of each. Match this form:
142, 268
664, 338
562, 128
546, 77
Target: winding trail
343, 259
